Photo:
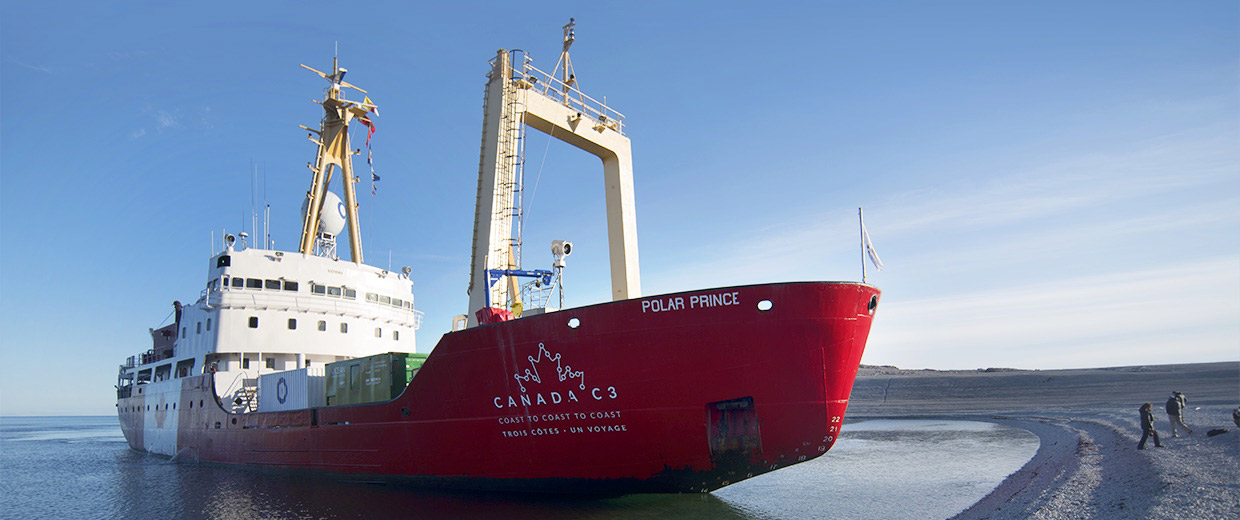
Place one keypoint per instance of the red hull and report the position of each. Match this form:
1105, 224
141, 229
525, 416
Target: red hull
672, 393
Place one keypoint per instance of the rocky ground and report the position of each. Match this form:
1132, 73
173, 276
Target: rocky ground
1087, 465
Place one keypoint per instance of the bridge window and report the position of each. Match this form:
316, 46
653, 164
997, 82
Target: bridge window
226, 278
318, 289
271, 284
386, 300
271, 363
333, 292
238, 282
290, 285
253, 283
397, 303
350, 294
372, 297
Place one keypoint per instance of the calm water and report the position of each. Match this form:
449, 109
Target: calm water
80, 467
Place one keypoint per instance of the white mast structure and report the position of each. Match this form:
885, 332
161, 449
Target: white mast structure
334, 151
520, 95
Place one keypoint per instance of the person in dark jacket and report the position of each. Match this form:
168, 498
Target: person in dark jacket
1147, 426
1175, 413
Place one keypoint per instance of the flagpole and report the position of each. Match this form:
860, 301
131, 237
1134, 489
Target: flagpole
861, 225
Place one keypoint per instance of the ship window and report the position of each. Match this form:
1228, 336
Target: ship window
409, 305
238, 282
271, 284
354, 372
292, 324
245, 363
386, 300
344, 327
350, 294
333, 292
208, 324
372, 297
226, 278
322, 325
253, 283
290, 286
184, 332
223, 261
396, 335
253, 322
199, 327
317, 289
271, 363
397, 303
378, 332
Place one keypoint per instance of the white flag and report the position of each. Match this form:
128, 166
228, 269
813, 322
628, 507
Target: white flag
869, 248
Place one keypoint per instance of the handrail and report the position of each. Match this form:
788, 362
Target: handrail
570, 96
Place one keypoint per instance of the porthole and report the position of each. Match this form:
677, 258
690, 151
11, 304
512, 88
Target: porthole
574, 323
765, 305
234, 421
873, 304
200, 403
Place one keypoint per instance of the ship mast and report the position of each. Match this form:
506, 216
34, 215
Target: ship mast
520, 96
334, 151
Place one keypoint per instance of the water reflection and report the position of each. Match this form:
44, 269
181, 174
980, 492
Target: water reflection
81, 467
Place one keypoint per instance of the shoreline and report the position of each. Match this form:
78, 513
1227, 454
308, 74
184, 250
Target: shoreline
1087, 464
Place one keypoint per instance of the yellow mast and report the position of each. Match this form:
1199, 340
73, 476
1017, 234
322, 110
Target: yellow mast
333, 141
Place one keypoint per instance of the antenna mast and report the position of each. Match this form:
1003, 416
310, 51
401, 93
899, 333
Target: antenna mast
334, 151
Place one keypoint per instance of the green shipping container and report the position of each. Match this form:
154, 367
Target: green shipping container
372, 379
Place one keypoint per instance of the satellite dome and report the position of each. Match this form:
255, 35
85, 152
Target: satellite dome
332, 219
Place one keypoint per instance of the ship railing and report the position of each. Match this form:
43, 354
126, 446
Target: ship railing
568, 95
313, 303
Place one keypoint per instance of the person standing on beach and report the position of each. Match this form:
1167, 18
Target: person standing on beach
1175, 413
1147, 426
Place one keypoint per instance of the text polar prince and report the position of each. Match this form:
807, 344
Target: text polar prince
696, 301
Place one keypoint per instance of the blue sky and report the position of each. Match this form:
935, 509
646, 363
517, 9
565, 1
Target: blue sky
1050, 184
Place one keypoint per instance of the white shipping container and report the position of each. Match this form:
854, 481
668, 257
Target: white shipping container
291, 390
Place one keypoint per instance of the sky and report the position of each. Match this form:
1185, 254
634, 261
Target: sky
1049, 184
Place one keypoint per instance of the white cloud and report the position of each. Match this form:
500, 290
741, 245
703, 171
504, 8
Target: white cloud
39, 68
1119, 319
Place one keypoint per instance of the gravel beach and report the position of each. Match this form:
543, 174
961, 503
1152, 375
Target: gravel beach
1087, 465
